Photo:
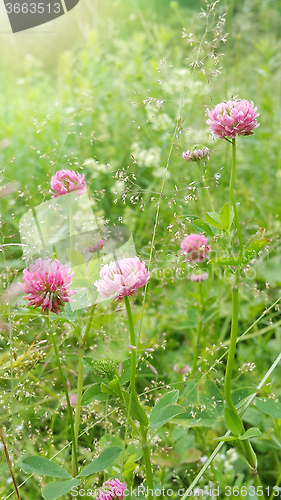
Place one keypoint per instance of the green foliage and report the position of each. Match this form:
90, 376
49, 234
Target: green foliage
233, 422
250, 433
105, 102
45, 467
103, 462
93, 393
168, 399
249, 254
165, 410
269, 407
226, 216
200, 225
214, 220
103, 367
134, 408
54, 490
203, 403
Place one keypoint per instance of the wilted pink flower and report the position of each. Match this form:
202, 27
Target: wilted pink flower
96, 247
47, 284
196, 154
199, 277
181, 368
122, 278
195, 247
66, 181
111, 489
73, 399
233, 117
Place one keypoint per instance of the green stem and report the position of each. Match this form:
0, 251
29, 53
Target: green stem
70, 221
133, 349
80, 376
203, 196
144, 442
9, 463
78, 394
162, 476
206, 188
198, 334
232, 348
89, 324
105, 421
246, 446
231, 186
105, 431
38, 227
74, 452
147, 462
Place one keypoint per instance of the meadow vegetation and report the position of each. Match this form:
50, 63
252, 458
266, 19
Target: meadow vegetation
120, 107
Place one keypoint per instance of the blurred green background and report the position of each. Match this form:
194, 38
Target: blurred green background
76, 90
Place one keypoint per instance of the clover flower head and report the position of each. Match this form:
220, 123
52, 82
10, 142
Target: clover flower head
181, 368
96, 247
236, 116
73, 400
111, 489
66, 181
195, 247
122, 278
199, 277
196, 154
47, 285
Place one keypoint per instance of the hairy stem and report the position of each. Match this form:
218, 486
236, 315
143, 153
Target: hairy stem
206, 187
147, 462
63, 381
89, 324
79, 393
9, 464
232, 348
198, 333
133, 349
241, 412
82, 342
144, 442
246, 445
70, 221
232, 197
